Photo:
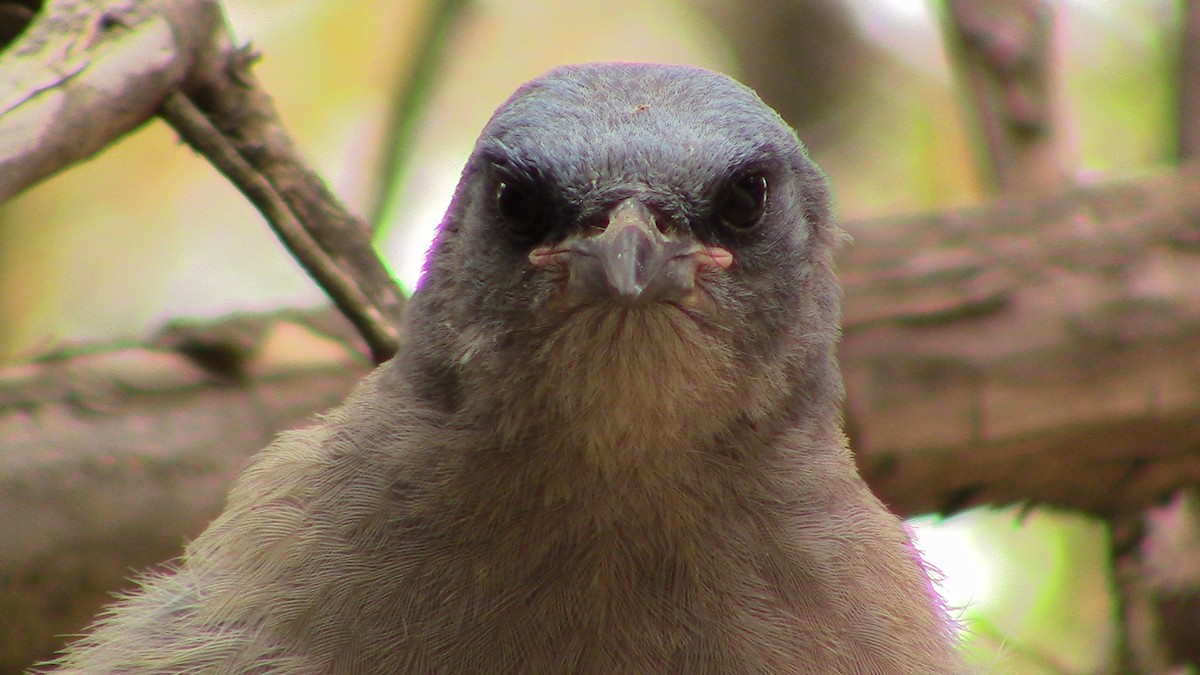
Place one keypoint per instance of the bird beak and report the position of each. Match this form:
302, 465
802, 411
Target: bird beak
632, 260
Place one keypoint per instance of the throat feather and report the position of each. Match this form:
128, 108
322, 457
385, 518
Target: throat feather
629, 380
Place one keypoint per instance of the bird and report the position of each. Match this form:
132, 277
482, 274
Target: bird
612, 442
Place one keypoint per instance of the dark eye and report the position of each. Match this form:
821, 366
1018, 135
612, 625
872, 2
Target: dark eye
742, 204
524, 209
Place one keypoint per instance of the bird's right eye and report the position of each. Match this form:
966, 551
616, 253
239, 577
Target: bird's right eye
523, 210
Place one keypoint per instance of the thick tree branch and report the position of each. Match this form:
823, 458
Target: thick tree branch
110, 458
85, 73
1034, 350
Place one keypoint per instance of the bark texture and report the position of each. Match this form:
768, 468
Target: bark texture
110, 459
1039, 350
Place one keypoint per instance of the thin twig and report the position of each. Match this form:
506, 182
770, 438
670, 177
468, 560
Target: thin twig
408, 100
196, 129
240, 110
1002, 50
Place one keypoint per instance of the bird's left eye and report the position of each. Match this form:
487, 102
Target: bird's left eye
742, 204
522, 210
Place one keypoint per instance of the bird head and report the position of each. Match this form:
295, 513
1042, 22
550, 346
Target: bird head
644, 246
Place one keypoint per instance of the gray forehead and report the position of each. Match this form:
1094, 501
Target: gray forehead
634, 121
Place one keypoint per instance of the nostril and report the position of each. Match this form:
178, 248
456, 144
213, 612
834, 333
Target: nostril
633, 212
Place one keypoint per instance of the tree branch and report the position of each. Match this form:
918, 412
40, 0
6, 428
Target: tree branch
1033, 350
1002, 50
111, 457
85, 73
350, 297
245, 116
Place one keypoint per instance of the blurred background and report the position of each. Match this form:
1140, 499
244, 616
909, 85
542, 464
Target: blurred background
112, 250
